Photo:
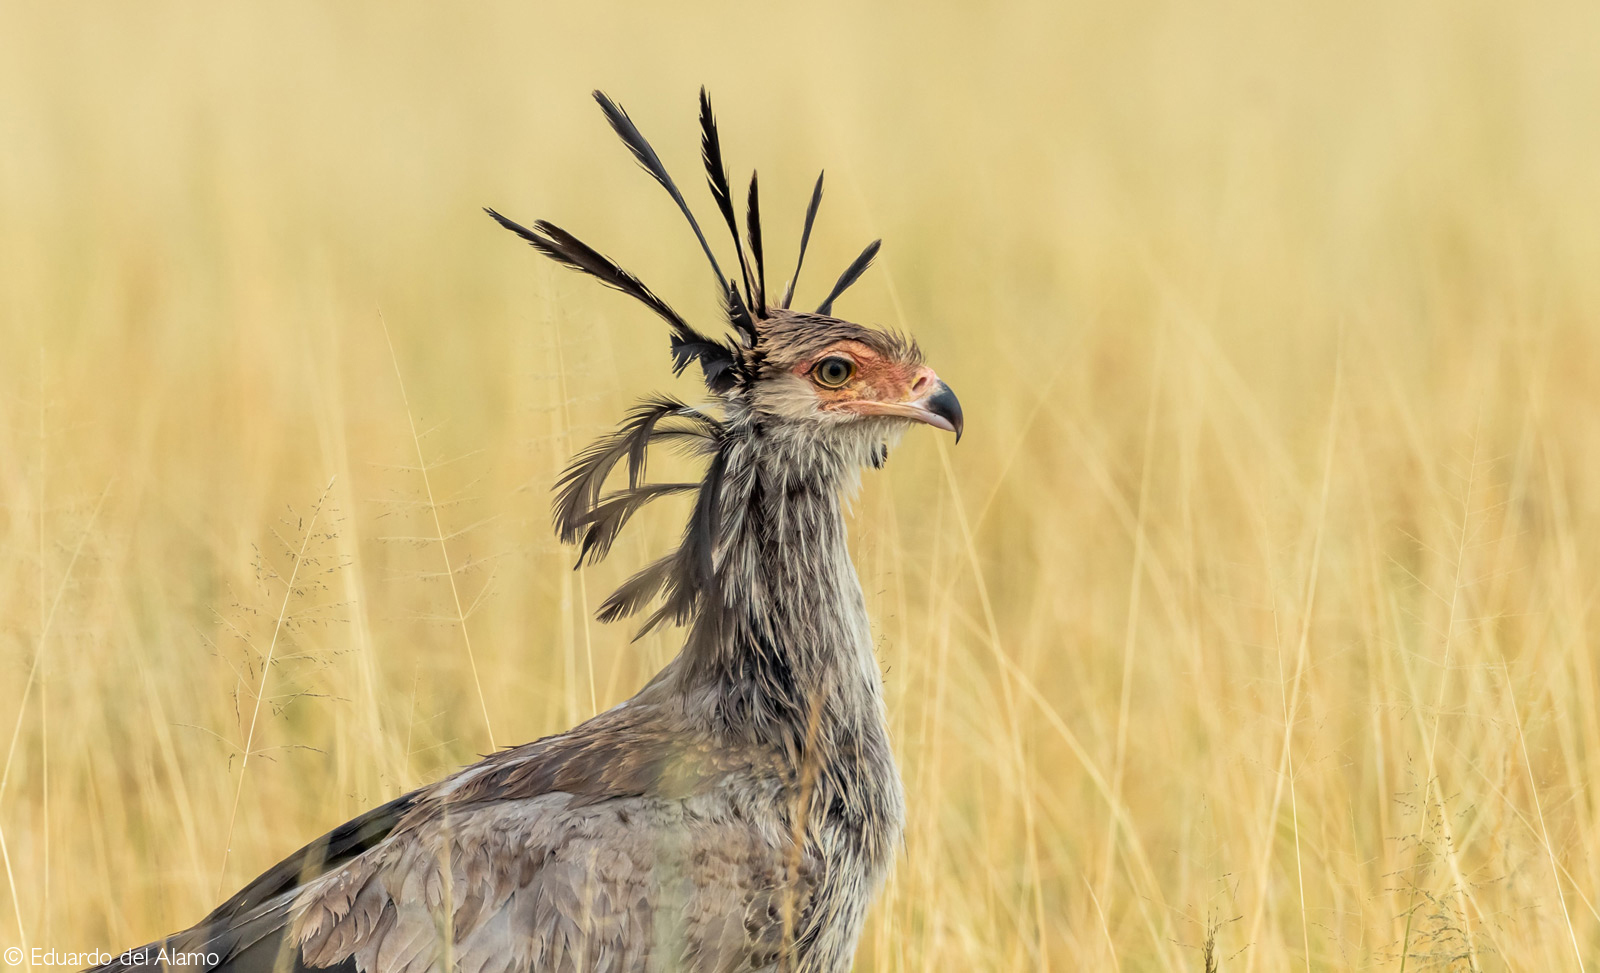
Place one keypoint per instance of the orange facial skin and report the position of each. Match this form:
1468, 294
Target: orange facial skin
880, 386
876, 379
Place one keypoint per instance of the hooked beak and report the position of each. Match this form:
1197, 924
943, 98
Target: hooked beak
939, 408
943, 410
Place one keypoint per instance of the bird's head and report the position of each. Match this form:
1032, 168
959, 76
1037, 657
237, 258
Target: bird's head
806, 379
809, 373
839, 380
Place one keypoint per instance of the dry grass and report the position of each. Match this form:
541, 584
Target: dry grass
1252, 627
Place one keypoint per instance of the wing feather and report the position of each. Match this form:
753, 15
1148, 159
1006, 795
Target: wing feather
574, 852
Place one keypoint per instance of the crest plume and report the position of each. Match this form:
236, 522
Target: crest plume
717, 176
646, 156
851, 274
753, 219
805, 239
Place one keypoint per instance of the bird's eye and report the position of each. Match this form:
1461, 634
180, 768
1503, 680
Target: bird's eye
833, 372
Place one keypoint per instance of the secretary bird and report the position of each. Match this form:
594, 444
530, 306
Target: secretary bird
739, 812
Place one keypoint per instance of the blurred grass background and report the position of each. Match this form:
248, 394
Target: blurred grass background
1255, 609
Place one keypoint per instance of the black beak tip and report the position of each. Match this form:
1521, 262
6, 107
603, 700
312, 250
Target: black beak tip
944, 404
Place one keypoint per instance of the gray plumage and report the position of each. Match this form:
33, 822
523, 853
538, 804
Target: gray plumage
739, 812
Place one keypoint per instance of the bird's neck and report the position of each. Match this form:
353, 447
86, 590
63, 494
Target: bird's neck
783, 638
779, 656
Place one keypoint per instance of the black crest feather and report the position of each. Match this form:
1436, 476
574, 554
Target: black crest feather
805, 238
739, 315
851, 274
564, 248
646, 155
716, 359
753, 224
717, 176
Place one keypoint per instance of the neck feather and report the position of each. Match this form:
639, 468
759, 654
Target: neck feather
783, 634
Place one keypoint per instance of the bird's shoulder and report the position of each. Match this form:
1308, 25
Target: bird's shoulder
639, 748
572, 838
580, 838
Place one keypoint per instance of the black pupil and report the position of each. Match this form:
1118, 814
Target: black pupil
835, 371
